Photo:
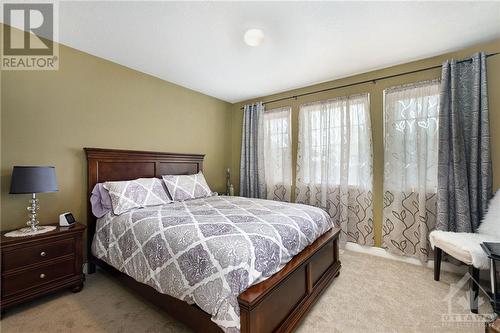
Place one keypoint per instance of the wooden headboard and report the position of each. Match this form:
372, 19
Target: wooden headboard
115, 165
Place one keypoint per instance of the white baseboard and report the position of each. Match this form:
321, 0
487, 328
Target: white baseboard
380, 252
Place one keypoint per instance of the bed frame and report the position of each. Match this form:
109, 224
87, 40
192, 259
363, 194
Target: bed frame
274, 305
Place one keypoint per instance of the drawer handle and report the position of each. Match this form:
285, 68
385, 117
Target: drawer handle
42, 276
43, 254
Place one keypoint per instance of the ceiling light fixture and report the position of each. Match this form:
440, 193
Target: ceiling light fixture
253, 37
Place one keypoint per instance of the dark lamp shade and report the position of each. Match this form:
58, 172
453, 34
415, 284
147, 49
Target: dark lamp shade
33, 179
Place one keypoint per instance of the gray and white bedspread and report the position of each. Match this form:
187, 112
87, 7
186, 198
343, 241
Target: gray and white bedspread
208, 251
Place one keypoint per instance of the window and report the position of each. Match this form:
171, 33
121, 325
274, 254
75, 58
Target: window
334, 164
335, 142
278, 153
411, 136
410, 167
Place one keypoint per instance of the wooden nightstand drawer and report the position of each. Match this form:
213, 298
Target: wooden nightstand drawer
36, 265
25, 256
34, 277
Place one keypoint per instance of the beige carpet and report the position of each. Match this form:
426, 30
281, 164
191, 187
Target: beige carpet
371, 294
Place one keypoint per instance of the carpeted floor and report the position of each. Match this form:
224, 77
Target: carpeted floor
371, 294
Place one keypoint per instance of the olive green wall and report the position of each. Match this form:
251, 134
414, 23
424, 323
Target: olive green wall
376, 104
49, 116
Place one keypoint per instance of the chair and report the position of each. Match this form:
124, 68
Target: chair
466, 247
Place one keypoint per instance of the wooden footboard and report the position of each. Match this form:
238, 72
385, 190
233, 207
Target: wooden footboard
278, 304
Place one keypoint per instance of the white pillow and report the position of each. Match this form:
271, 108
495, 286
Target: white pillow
138, 193
491, 221
185, 187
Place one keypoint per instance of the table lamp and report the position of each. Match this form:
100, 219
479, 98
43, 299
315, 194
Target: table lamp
33, 179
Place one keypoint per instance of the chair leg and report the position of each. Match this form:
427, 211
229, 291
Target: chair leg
438, 253
474, 289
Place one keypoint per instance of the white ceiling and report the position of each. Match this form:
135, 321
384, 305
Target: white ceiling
200, 45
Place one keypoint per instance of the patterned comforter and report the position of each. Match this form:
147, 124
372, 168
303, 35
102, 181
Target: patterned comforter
208, 251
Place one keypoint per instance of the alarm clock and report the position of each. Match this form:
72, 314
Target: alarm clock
66, 220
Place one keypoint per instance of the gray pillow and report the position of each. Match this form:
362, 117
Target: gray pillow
185, 187
138, 193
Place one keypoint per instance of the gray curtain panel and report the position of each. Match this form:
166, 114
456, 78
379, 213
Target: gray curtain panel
252, 177
464, 160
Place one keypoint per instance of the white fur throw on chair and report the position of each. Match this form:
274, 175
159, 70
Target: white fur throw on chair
466, 246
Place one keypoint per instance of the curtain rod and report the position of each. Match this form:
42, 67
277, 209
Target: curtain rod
366, 81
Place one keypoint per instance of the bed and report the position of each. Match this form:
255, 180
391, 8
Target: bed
275, 304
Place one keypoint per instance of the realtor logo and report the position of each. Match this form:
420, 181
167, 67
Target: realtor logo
29, 31
458, 300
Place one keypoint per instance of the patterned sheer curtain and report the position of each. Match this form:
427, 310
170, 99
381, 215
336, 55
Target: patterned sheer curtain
410, 170
334, 163
278, 153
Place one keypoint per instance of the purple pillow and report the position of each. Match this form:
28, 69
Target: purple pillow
100, 200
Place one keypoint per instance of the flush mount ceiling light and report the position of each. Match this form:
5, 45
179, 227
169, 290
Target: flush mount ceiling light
253, 37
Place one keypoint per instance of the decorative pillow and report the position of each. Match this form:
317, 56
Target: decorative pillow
136, 193
100, 201
185, 187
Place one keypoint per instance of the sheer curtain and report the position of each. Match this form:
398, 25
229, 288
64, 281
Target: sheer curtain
334, 163
410, 170
278, 153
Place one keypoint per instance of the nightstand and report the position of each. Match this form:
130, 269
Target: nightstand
492, 250
36, 265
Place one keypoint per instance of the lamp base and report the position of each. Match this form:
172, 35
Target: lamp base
32, 209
